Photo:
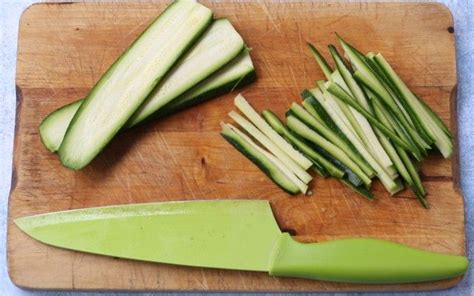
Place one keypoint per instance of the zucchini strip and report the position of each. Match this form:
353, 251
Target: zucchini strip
366, 133
432, 127
259, 158
127, 83
336, 138
237, 73
241, 103
387, 117
267, 143
317, 158
386, 179
323, 64
304, 131
343, 96
365, 75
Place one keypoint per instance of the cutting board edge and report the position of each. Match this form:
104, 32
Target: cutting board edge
438, 285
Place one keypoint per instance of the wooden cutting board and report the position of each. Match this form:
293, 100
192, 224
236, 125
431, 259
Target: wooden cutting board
63, 50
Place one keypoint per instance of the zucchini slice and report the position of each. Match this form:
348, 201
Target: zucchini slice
54, 126
260, 157
242, 104
267, 143
127, 83
306, 132
239, 72
336, 136
315, 157
386, 179
216, 47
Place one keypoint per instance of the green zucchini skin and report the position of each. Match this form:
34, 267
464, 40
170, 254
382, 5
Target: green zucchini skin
120, 91
260, 160
236, 74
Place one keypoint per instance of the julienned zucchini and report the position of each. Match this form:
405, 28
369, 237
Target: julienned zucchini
237, 73
241, 103
259, 157
434, 128
318, 159
127, 83
306, 132
215, 48
334, 136
270, 146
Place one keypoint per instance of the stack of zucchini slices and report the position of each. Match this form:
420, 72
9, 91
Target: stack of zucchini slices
183, 58
362, 122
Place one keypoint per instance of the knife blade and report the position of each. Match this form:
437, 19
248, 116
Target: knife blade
233, 234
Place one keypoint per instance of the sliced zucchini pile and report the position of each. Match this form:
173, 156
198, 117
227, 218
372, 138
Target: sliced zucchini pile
362, 122
182, 59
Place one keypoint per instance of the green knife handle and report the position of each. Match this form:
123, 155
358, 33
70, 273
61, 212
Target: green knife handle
362, 261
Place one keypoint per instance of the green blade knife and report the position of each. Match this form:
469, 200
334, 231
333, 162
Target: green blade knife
233, 234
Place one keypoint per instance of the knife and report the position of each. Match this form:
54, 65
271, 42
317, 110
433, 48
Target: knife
233, 234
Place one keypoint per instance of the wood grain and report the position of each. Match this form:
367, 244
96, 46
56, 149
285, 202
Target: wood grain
64, 49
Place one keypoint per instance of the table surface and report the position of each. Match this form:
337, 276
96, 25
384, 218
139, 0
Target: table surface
10, 11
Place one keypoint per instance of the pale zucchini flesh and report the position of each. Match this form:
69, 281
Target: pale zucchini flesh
242, 104
215, 48
270, 146
127, 83
235, 74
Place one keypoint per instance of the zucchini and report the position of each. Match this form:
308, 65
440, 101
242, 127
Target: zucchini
259, 157
127, 83
54, 126
242, 104
433, 127
217, 47
323, 64
315, 157
361, 190
365, 75
337, 137
364, 129
339, 93
238, 72
386, 179
304, 131
407, 112
267, 143
414, 177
